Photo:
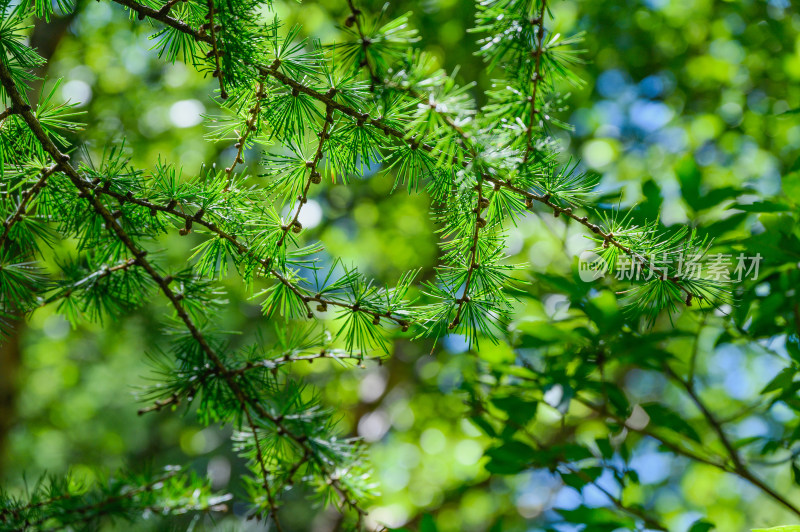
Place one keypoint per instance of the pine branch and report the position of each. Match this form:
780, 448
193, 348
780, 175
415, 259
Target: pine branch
60, 501
160, 15
8, 112
539, 23
473, 263
273, 71
313, 177
244, 251
168, 7
250, 126
273, 508
104, 271
85, 189
90, 511
213, 28
268, 363
27, 196
480, 205
355, 18
607, 237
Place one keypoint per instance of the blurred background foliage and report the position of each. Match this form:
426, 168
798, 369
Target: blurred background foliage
688, 108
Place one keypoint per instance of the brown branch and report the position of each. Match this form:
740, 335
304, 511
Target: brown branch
213, 28
355, 13
268, 363
273, 507
85, 191
166, 8
143, 11
473, 258
104, 271
481, 204
8, 112
27, 196
538, 23
313, 177
245, 251
603, 410
617, 501
250, 126
740, 468
160, 404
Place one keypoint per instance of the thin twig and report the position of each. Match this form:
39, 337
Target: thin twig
313, 177
8, 112
85, 512
85, 191
530, 197
649, 521
104, 271
355, 14
538, 23
250, 126
166, 8
740, 468
267, 363
27, 196
244, 251
273, 507
215, 49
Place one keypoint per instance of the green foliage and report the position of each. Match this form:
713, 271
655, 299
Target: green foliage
371, 107
67, 503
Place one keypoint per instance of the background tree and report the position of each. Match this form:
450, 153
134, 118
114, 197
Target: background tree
582, 408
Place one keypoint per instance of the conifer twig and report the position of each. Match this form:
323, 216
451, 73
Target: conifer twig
85, 512
272, 71
167, 7
473, 256
355, 13
538, 23
250, 126
104, 271
267, 363
85, 191
212, 30
313, 178
273, 508
244, 251
143, 11
27, 196
8, 112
